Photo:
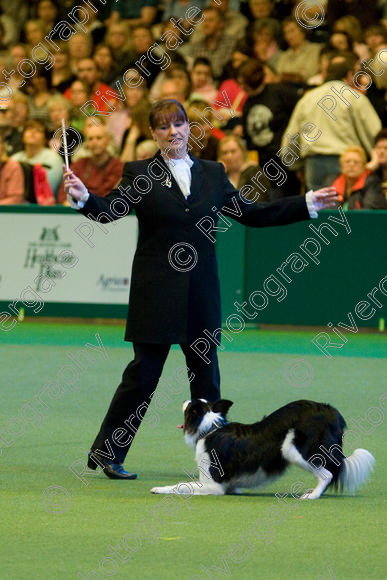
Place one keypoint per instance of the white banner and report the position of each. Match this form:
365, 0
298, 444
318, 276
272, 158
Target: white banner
66, 257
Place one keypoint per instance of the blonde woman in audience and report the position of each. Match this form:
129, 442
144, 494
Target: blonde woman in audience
11, 178
355, 186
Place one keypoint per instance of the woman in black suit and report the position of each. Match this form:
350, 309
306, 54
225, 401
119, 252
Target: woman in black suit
174, 297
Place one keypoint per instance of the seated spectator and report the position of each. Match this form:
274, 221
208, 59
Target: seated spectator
260, 8
178, 8
357, 188
183, 46
174, 89
34, 31
326, 56
106, 65
17, 12
93, 25
122, 119
5, 89
61, 75
353, 186
80, 46
378, 163
11, 178
8, 31
48, 13
239, 54
340, 41
240, 169
118, 40
311, 16
88, 73
15, 118
216, 45
3, 46
78, 95
146, 149
202, 140
100, 172
135, 13
142, 40
59, 109
266, 34
235, 23
136, 131
374, 37
229, 86
17, 52
351, 25
202, 82
301, 60
177, 70
36, 151
39, 92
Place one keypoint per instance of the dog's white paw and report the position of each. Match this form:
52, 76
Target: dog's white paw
311, 494
166, 489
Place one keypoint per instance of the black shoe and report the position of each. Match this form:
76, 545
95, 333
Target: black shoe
112, 470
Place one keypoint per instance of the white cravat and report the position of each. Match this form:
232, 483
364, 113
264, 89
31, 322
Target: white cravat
181, 171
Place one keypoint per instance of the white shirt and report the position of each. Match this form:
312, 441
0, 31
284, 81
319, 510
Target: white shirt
181, 171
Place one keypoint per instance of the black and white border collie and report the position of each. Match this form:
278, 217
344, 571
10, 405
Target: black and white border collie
231, 456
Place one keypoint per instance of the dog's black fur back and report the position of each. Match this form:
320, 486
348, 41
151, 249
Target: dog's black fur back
240, 448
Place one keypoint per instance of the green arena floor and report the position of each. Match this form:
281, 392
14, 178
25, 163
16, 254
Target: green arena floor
57, 525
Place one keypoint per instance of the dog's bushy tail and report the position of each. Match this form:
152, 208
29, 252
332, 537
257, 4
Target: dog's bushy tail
355, 470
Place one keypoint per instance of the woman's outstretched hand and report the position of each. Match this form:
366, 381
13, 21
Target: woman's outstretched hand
324, 198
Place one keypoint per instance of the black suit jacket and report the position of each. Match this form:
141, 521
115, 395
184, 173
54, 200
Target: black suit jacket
168, 306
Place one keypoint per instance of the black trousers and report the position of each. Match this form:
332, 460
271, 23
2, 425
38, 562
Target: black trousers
139, 381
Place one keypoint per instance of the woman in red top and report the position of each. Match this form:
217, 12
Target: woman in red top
356, 186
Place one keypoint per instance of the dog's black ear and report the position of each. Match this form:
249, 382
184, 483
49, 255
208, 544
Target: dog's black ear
222, 406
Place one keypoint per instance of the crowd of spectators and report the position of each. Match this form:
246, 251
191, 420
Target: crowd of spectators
271, 87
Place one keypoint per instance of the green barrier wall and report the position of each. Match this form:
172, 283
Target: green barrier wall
351, 265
